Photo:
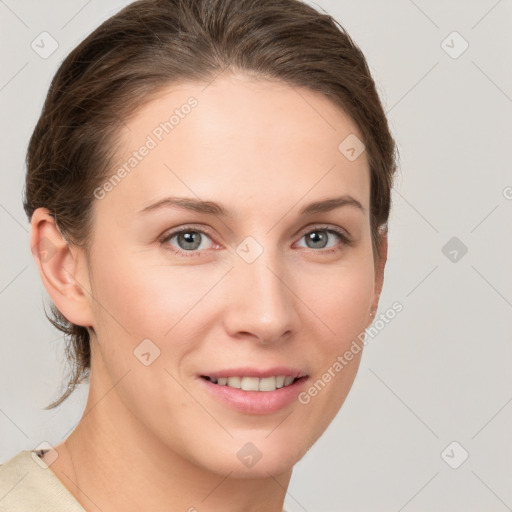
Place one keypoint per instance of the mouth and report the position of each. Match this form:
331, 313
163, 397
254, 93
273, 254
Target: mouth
247, 383
254, 391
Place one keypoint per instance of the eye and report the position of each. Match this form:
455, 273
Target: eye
187, 240
318, 238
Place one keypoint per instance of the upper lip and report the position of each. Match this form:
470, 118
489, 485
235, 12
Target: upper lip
257, 372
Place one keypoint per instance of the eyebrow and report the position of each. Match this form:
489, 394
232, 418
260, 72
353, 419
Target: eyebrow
212, 208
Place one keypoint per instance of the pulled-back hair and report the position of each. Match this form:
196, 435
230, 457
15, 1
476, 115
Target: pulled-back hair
151, 44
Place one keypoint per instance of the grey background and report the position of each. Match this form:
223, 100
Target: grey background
441, 370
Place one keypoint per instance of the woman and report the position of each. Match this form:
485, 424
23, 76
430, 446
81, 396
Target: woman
208, 187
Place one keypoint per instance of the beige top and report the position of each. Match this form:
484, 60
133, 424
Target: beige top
27, 484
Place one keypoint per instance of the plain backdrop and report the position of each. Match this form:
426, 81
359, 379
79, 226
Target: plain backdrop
427, 423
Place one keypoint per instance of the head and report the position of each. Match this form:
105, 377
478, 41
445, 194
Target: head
262, 108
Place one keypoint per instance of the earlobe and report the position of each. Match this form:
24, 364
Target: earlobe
62, 269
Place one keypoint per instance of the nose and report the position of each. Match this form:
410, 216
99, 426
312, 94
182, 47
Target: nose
261, 304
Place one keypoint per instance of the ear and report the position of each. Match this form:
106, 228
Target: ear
63, 269
380, 263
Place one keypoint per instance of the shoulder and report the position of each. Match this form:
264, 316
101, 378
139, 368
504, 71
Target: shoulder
27, 484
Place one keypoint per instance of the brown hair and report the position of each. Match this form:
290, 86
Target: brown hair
152, 43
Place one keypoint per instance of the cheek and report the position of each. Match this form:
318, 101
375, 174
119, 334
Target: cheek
342, 301
147, 300
153, 308
144, 315
341, 297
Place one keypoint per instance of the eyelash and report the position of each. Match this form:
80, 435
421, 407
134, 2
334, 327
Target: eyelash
328, 229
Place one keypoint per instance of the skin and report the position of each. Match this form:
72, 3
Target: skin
264, 150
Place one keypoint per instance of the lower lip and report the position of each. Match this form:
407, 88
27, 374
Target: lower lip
256, 402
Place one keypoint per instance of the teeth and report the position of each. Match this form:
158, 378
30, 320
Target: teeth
250, 384
288, 381
254, 383
234, 382
267, 384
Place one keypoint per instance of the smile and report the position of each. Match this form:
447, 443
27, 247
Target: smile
255, 391
254, 383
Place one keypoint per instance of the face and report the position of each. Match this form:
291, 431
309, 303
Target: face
190, 303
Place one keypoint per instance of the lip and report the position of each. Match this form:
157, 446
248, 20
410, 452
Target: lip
255, 402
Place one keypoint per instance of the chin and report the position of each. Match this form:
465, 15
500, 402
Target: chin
246, 459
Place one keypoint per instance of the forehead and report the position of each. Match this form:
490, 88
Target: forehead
243, 138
